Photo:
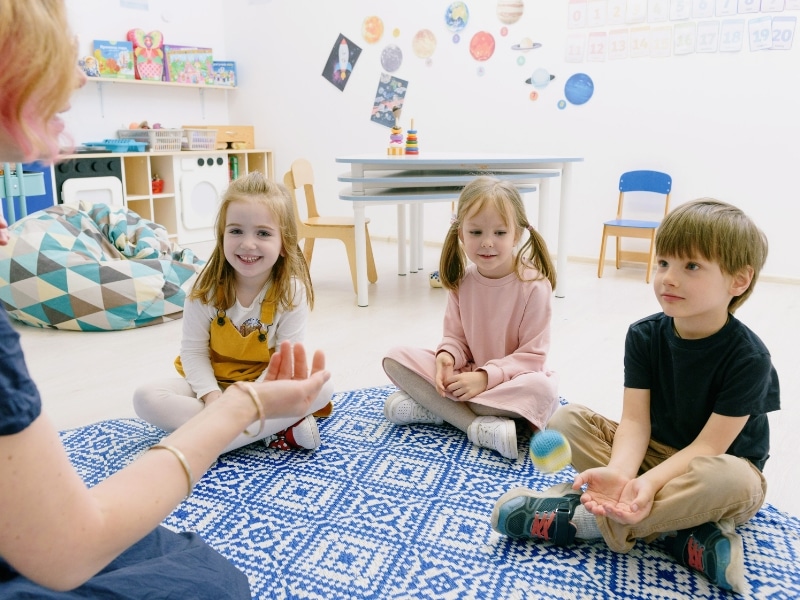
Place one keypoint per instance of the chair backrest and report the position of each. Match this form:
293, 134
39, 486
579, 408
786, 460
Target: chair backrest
301, 176
644, 181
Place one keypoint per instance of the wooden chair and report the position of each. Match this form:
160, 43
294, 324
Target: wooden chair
637, 181
301, 177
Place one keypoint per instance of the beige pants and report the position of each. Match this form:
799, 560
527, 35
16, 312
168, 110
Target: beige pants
713, 487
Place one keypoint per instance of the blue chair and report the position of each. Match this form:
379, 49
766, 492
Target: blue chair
20, 185
660, 185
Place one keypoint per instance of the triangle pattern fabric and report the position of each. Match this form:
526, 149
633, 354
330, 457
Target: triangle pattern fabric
60, 270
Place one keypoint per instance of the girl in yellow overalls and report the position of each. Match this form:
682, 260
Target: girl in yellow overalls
254, 293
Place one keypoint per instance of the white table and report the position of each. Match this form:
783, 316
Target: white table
439, 177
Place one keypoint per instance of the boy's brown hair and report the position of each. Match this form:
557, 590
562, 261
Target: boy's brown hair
718, 232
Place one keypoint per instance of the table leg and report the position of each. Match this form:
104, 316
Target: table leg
414, 237
563, 227
362, 289
402, 267
421, 237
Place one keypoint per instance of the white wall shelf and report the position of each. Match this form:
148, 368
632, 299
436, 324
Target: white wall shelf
100, 82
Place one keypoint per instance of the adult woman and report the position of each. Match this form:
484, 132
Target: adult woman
54, 532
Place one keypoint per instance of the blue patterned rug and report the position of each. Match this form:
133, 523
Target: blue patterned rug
380, 512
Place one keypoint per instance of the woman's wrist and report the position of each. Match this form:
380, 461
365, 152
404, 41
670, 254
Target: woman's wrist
239, 404
250, 390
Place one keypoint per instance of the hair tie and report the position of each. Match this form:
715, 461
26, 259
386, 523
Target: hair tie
453, 220
529, 227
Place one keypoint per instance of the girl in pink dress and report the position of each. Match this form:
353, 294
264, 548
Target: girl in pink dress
490, 368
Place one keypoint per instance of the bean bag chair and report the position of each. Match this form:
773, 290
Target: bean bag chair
92, 267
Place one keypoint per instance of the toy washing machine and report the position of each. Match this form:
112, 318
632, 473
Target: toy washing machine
202, 180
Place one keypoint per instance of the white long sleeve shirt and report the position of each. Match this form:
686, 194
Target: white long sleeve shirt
198, 316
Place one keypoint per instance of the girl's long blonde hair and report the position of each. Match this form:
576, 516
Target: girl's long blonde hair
504, 197
215, 284
38, 75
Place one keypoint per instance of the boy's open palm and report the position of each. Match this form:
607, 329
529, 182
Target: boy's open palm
611, 494
634, 504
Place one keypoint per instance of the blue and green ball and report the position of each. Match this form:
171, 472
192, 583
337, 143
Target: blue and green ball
550, 451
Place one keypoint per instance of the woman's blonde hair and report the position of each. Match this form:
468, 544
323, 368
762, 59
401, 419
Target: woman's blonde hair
718, 232
503, 197
215, 284
38, 75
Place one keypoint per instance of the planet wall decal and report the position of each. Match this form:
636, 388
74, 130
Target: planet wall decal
481, 46
391, 58
372, 29
456, 16
579, 88
509, 11
540, 78
526, 44
424, 43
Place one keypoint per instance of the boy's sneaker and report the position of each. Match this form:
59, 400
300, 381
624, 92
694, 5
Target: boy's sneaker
302, 435
714, 549
523, 513
495, 433
402, 409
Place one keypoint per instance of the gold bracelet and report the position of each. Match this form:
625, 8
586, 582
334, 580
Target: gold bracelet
251, 391
181, 459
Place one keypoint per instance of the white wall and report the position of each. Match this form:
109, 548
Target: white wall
722, 124
100, 109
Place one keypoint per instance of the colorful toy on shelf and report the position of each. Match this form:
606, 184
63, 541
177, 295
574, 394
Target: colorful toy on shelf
411, 140
89, 66
148, 63
396, 138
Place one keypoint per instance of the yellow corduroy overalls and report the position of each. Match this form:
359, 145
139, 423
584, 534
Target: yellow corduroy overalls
234, 356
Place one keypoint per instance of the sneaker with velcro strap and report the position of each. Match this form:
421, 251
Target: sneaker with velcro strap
524, 513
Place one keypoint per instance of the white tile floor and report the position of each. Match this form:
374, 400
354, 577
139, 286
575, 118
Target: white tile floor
86, 377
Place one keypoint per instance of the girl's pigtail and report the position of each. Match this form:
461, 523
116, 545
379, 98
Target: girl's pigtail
452, 260
536, 253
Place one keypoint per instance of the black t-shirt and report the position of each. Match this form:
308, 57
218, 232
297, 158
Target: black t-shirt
20, 403
729, 373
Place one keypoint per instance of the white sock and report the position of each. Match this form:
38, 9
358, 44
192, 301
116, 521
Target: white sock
586, 524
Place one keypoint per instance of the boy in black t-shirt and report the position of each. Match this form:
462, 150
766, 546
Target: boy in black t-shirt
685, 461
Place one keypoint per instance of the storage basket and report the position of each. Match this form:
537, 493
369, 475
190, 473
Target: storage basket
158, 140
200, 139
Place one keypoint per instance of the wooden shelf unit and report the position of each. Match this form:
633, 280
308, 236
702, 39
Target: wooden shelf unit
138, 169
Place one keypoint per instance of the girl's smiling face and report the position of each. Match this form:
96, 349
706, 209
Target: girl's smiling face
489, 242
252, 241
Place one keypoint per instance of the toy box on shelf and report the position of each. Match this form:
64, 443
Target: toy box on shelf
199, 139
188, 64
114, 59
157, 140
230, 137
